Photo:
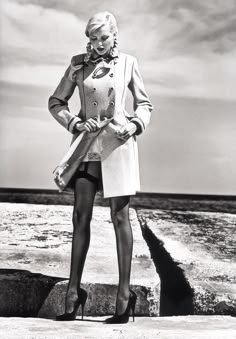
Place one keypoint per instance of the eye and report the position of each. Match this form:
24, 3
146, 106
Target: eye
105, 37
93, 38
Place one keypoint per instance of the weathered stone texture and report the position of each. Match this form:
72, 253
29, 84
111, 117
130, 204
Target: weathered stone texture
37, 238
202, 245
101, 300
184, 327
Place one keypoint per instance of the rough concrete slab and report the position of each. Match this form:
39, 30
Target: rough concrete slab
188, 327
37, 238
26, 294
202, 244
101, 300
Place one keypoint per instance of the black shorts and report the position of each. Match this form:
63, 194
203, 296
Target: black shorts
90, 170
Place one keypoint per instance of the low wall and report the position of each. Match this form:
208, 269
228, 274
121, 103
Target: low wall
183, 202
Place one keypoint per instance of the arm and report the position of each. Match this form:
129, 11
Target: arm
142, 104
58, 102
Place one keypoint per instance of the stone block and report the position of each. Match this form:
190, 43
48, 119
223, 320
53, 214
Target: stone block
101, 300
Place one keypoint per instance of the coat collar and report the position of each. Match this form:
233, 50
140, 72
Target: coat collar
95, 58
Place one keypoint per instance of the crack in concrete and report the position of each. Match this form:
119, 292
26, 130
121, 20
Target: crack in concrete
176, 297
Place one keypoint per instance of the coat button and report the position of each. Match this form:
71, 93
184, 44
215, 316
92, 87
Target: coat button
112, 103
95, 103
111, 75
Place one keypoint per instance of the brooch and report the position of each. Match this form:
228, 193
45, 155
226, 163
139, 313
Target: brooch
100, 72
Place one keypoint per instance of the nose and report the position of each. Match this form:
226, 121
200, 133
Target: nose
100, 44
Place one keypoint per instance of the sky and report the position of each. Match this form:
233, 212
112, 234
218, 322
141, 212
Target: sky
186, 53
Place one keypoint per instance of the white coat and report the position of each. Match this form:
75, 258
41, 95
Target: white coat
103, 95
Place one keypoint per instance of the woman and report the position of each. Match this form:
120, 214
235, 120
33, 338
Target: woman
110, 164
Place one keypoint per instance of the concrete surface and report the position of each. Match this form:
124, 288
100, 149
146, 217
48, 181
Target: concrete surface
190, 250
203, 246
37, 239
188, 327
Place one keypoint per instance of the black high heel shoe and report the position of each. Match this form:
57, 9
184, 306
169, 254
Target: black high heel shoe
124, 318
82, 297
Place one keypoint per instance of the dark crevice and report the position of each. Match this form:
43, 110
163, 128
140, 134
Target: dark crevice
176, 297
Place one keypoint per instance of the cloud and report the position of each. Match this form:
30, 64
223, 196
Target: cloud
177, 23
185, 48
168, 27
32, 34
211, 77
189, 27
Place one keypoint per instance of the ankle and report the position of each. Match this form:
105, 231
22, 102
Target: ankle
123, 295
72, 289
71, 295
121, 306
70, 301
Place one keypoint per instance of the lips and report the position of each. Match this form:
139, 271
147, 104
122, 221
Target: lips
100, 49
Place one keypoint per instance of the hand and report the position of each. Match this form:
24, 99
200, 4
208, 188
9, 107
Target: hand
126, 131
90, 125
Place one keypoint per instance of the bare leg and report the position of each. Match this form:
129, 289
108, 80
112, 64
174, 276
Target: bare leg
85, 191
124, 245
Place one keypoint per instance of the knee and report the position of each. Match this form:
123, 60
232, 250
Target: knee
81, 219
119, 218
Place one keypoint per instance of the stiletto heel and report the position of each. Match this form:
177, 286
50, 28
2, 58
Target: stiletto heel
133, 307
124, 318
67, 316
133, 303
82, 308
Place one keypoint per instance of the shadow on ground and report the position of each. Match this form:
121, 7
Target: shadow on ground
176, 297
22, 293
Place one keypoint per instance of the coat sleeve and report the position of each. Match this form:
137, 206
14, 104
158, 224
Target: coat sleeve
142, 104
58, 101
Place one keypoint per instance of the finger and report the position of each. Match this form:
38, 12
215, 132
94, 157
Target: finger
92, 125
118, 135
94, 120
96, 123
123, 137
126, 135
88, 127
121, 134
121, 130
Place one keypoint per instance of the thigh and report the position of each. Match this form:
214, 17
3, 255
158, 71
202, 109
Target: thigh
85, 191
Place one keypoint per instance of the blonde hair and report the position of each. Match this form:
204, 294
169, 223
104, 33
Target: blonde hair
101, 19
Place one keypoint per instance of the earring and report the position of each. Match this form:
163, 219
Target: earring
89, 52
114, 47
115, 42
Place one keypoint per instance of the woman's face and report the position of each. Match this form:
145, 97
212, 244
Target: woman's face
102, 40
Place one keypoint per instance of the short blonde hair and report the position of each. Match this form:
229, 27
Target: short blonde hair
101, 19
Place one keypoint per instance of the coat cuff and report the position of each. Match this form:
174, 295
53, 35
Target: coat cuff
139, 124
72, 122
